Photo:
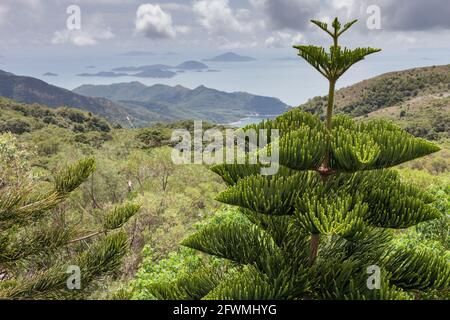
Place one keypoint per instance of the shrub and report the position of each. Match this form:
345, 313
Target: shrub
17, 126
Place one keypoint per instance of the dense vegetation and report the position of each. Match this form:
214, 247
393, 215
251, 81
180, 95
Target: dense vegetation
175, 201
38, 246
39, 146
131, 166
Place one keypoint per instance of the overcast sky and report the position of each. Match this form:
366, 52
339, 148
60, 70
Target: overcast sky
123, 25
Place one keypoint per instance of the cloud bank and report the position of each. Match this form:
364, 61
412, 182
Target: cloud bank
220, 23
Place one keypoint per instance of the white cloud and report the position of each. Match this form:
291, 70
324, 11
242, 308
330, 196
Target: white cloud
154, 22
341, 4
91, 33
80, 37
297, 39
218, 17
282, 39
224, 23
278, 39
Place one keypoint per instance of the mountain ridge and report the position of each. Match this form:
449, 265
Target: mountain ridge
230, 57
32, 90
138, 105
180, 103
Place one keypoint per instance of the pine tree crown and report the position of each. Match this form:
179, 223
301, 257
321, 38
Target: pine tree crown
27, 234
332, 65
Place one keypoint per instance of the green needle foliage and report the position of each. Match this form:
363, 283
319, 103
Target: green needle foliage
319, 226
36, 251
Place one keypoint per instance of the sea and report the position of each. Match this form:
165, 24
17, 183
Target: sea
251, 120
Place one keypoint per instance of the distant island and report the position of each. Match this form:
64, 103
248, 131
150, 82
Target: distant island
157, 71
187, 65
191, 65
104, 74
139, 53
230, 57
147, 73
143, 68
50, 74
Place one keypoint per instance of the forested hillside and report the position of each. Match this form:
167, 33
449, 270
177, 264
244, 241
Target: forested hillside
164, 103
131, 166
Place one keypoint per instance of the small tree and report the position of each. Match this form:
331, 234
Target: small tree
321, 228
38, 254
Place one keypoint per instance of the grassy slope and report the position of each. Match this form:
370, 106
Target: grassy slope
427, 115
397, 86
422, 93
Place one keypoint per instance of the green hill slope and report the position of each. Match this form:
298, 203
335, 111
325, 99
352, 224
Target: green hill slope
165, 103
19, 118
417, 99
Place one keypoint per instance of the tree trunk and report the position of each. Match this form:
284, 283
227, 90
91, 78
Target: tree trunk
325, 167
313, 249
